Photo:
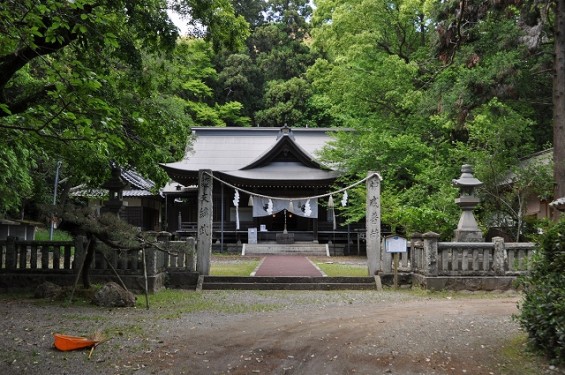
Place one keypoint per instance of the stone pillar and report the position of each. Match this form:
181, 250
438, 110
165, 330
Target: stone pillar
373, 223
204, 226
499, 257
430, 253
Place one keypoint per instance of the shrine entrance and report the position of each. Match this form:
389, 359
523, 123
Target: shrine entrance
279, 215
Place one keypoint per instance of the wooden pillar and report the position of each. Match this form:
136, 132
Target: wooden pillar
204, 227
373, 223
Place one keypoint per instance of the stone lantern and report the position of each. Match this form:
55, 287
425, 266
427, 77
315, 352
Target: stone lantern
115, 186
467, 229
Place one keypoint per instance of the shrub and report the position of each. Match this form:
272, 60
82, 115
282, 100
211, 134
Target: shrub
542, 313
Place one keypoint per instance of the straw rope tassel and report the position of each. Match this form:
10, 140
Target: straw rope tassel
307, 208
270, 207
236, 204
331, 206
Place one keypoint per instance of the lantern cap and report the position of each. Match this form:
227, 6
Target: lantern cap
115, 182
467, 179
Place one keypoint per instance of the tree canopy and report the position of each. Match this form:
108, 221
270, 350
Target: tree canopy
428, 86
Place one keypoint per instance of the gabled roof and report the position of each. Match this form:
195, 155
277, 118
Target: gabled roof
252, 154
285, 150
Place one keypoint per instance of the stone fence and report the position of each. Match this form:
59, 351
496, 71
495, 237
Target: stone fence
25, 264
489, 265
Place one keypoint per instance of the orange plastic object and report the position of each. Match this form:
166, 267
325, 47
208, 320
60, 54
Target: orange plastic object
66, 342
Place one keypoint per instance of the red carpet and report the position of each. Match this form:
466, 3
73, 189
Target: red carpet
287, 265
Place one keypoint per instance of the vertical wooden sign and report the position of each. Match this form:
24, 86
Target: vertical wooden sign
204, 223
373, 223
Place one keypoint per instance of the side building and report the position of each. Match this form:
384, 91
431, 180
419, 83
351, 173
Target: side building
141, 204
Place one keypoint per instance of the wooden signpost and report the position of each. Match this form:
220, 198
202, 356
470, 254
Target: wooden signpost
395, 245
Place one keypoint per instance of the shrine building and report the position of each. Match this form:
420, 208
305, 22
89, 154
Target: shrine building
264, 179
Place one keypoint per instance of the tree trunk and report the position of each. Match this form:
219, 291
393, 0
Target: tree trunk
559, 102
88, 262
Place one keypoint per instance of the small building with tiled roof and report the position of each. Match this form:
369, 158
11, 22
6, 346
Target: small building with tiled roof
141, 202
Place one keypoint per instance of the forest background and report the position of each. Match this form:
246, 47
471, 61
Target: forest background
427, 85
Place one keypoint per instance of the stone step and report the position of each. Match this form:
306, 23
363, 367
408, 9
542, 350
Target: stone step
307, 248
288, 286
287, 283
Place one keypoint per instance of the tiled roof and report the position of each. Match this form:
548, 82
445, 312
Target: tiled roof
136, 180
139, 187
245, 153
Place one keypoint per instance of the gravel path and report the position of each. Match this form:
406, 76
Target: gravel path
273, 332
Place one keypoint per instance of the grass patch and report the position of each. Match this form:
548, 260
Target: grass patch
343, 270
517, 358
342, 266
174, 303
418, 291
233, 267
42, 234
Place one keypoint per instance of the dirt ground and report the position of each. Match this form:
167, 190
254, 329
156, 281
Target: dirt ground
347, 332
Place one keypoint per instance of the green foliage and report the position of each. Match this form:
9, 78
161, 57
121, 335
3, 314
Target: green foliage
268, 78
15, 180
88, 82
215, 21
542, 313
286, 102
423, 103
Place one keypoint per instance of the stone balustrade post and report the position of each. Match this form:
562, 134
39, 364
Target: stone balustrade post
499, 257
431, 253
151, 261
190, 256
386, 259
416, 242
11, 257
